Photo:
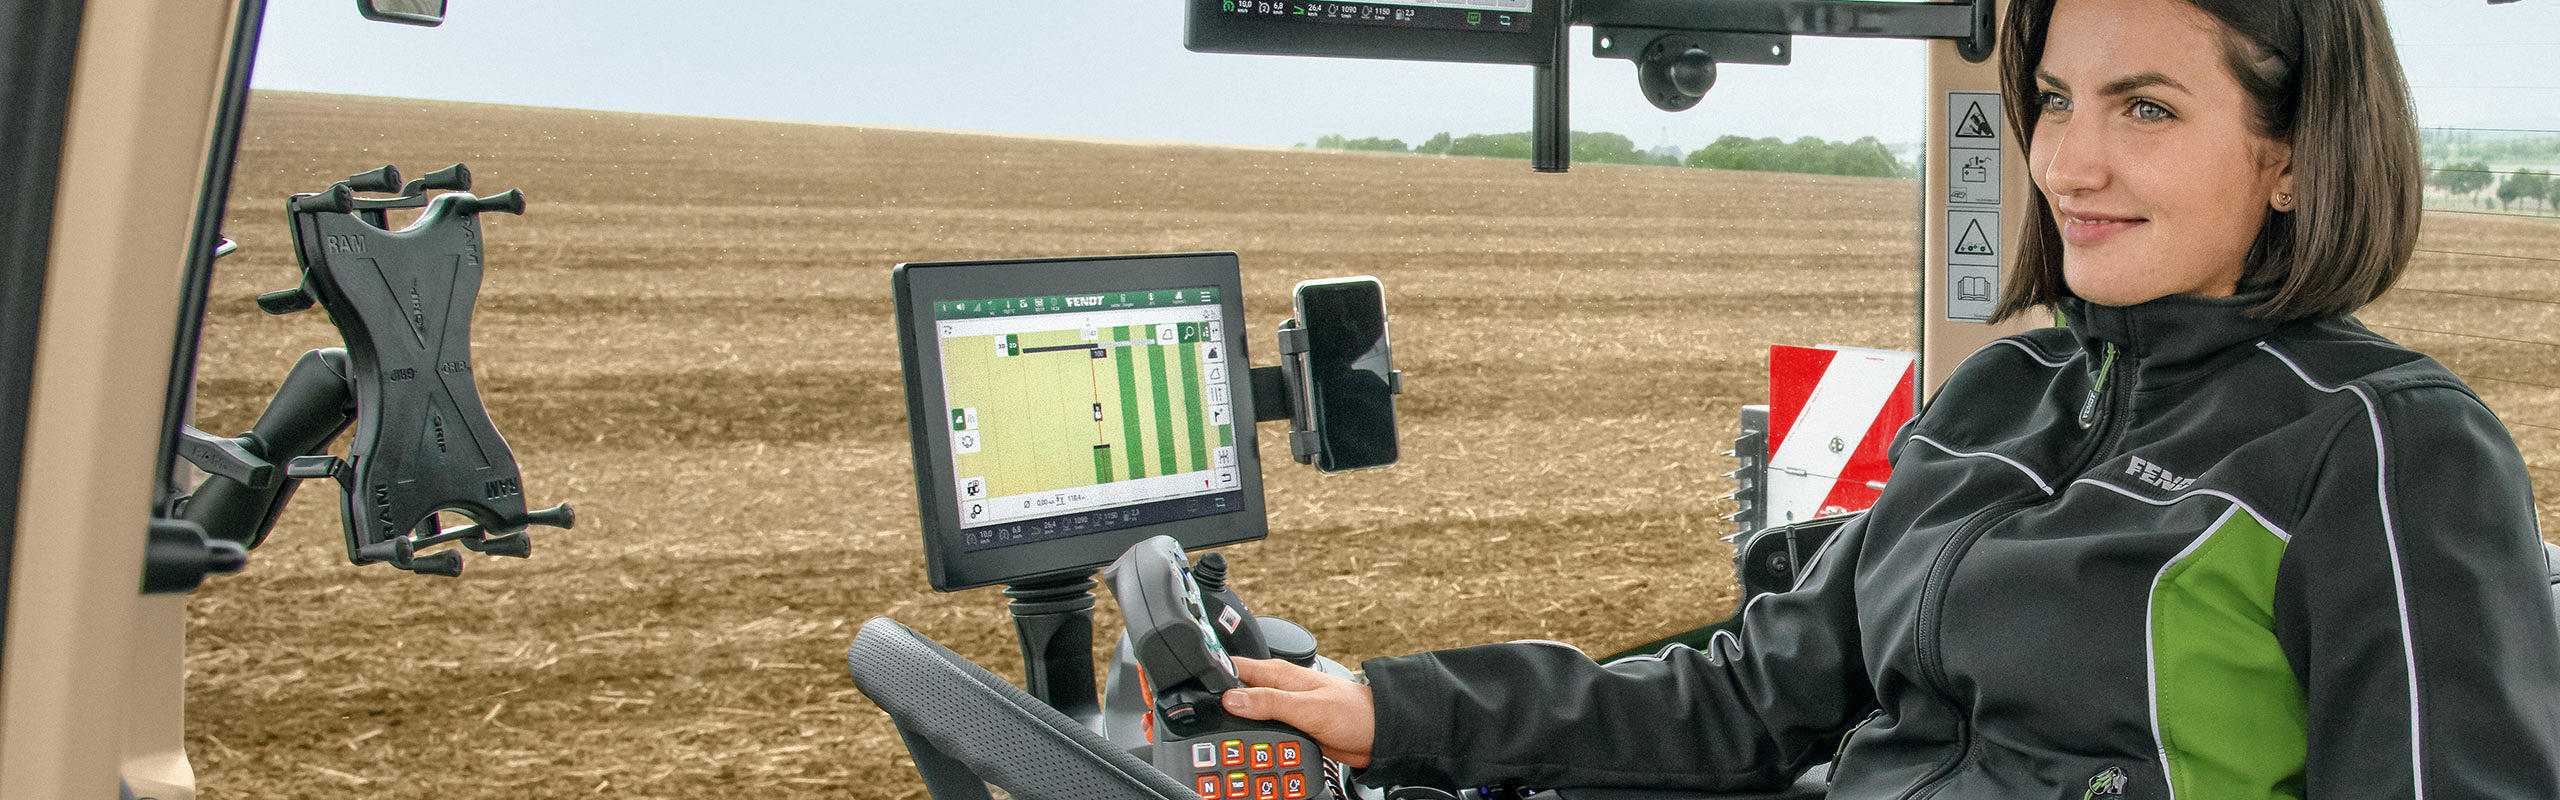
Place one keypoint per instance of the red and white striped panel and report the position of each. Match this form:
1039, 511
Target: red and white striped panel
1832, 415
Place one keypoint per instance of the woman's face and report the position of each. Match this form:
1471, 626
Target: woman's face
2147, 150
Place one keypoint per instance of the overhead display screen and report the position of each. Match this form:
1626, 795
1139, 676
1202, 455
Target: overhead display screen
1495, 16
1476, 31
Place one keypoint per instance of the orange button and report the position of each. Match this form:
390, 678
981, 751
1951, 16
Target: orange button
1266, 787
1288, 754
1237, 787
1293, 786
1207, 787
1262, 756
1231, 753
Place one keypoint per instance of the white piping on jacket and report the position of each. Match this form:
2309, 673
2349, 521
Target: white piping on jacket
2391, 539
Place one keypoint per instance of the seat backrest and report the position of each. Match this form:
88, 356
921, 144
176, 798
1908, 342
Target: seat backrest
957, 717
2551, 564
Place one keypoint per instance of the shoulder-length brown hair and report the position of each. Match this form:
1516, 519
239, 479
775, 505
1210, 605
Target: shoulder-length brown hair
2324, 76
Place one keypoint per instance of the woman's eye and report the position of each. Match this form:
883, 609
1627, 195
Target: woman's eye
2148, 111
2052, 102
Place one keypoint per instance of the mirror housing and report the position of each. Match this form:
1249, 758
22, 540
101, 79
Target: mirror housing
426, 13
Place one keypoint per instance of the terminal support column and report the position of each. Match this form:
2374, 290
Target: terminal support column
1055, 618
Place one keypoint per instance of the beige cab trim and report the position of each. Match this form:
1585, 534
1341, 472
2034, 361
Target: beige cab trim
93, 685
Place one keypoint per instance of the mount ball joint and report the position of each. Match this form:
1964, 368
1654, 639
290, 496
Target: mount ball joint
1675, 72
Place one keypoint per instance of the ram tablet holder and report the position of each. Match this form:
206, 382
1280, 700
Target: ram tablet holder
423, 444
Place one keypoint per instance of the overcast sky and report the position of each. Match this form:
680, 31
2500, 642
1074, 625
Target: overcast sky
1117, 68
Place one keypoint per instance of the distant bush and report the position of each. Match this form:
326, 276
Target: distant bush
2442, 144
1335, 141
1865, 157
2461, 177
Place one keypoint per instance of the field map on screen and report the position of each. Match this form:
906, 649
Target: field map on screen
1072, 414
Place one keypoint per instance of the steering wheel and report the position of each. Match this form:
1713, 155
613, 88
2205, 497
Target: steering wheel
968, 728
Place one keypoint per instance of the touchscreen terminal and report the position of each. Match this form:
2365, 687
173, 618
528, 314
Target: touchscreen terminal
1064, 409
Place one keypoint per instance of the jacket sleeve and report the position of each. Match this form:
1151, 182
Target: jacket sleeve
1753, 711
2415, 608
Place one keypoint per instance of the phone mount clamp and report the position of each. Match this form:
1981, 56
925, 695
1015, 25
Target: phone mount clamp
1284, 393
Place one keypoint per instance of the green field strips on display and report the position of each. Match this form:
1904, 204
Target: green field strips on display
1129, 430
1042, 410
1197, 420
1165, 443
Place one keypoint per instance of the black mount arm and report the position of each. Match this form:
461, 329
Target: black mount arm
1677, 43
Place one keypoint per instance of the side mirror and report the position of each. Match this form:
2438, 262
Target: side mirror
429, 13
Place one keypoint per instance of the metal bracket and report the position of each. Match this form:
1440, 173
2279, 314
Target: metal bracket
1728, 47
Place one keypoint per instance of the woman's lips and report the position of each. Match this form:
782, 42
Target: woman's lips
2083, 229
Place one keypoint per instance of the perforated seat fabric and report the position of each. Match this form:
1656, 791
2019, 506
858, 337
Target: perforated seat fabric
1000, 733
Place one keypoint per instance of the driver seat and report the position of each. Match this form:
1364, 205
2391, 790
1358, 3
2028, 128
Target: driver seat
968, 728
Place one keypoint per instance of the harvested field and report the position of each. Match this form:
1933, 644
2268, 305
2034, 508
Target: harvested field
689, 337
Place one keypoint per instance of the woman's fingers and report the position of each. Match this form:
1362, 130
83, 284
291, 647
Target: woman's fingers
1339, 714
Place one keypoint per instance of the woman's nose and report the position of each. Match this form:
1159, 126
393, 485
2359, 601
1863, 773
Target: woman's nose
2073, 161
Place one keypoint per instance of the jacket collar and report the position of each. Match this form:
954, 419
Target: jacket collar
2170, 332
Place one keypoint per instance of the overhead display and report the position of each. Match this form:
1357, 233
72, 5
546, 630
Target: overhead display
1475, 31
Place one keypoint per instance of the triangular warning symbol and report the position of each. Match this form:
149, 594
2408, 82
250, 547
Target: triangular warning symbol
1975, 125
1973, 242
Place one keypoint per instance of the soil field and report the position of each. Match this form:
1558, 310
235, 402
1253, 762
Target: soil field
689, 337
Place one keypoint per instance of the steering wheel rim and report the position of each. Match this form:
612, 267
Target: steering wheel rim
1000, 734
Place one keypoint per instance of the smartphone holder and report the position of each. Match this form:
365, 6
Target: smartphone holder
1285, 392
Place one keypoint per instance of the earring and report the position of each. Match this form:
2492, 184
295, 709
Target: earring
2284, 201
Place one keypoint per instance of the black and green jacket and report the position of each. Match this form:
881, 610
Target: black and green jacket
2169, 551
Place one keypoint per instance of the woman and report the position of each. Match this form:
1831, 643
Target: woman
2213, 539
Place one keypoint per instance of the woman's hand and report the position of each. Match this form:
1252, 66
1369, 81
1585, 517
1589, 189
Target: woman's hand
1338, 713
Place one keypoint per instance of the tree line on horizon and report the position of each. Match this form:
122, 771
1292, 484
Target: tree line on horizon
2467, 178
1812, 155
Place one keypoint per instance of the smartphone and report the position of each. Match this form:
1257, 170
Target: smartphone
1348, 372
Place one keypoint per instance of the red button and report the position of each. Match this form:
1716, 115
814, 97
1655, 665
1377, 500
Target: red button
1293, 786
1288, 754
1266, 787
1231, 753
1237, 788
1208, 787
1262, 756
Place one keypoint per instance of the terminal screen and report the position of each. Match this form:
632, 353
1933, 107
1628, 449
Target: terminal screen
1078, 414
1505, 16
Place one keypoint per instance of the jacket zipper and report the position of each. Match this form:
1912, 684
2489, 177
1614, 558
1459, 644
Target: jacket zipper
2089, 406
1933, 671
1932, 668
1843, 748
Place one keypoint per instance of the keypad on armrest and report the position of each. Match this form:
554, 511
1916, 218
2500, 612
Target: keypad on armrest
1247, 765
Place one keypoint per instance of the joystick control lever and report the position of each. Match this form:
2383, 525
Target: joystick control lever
1236, 626
1177, 648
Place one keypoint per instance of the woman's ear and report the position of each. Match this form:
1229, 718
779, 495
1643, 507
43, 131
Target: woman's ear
2278, 166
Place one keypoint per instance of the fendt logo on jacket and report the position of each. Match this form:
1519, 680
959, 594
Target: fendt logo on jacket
2152, 474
